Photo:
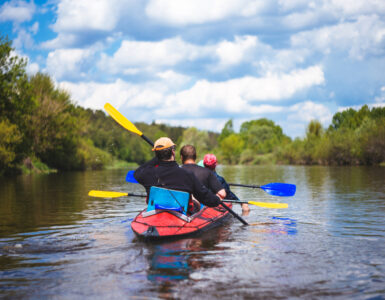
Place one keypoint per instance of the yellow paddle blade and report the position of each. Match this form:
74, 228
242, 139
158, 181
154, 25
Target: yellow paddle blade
118, 117
269, 205
103, 194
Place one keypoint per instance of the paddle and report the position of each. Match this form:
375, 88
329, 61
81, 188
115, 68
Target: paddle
260, 204
107, 194
124, 122
274, 189
120, 119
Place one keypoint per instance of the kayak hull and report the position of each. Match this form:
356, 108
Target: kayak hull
165, 224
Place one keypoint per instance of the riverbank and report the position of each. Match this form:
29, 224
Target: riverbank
35, 166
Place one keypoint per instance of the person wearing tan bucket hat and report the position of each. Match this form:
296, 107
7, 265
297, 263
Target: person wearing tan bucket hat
163, 171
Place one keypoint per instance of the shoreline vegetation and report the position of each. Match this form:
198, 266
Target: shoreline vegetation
43, 131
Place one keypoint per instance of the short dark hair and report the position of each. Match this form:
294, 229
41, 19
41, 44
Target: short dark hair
164, 154
188, 152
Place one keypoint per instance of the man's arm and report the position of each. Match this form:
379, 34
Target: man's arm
203, 194
216, 186
229, 194
145, 173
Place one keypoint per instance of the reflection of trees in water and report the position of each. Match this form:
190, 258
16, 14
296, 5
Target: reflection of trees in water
176, 260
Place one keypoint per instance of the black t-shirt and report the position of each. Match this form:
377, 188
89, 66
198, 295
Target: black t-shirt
205, 176
169, 175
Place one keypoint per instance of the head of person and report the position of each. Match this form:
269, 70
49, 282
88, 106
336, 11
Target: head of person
164, 149
188, 152
210, 161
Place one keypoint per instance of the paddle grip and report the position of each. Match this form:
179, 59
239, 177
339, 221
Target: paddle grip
147, 140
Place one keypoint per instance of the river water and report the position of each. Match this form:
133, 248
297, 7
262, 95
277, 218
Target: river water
56, 242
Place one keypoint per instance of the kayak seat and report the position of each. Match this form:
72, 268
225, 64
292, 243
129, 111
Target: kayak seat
161, 198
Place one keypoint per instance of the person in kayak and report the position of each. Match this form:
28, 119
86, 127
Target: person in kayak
210, 162
163, 171
188, 156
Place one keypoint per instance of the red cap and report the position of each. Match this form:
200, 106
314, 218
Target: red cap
210, 161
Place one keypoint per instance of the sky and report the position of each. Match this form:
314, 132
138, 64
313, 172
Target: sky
202, 62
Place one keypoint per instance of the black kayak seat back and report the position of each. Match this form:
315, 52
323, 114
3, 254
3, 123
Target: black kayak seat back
161, 198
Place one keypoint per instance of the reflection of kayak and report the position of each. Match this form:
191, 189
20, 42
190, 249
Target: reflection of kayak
163, 223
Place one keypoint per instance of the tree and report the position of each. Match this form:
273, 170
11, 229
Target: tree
262, 135
10, 138
226, 131
314, 129
16, 105
231, 148
198, 138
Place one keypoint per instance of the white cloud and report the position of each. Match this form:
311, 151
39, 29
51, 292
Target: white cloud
201, 11
359, 7
232, 53
86, 15
299, 20
308, 111
63, 40
68, 62
156, 100
17, 11
120, 93
134, 57
32, 68
365, 36
34, 28
177, 80
134, 54
237, 96
290, 5
23, 39
381, 97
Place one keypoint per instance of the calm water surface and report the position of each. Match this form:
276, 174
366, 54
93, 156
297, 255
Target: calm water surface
56, 242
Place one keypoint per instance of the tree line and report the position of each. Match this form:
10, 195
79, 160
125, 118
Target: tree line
355, 137
42, 128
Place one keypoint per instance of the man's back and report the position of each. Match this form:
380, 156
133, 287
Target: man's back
205, 176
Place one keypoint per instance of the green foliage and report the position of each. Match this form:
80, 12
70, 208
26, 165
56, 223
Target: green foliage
371, 140
198, 138
353, 138
262, 136
54, 129
16, 105
292, 153
89, 157
231, 148
10, 139
226, 131
349, 118
16, 101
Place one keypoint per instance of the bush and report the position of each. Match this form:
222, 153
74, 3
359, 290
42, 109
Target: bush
10, 139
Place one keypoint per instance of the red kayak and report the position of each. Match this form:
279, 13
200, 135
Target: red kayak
163, 223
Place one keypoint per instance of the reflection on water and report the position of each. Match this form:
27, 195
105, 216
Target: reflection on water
176, 260
56, 242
